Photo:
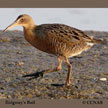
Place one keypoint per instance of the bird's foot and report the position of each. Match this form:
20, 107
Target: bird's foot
35, 75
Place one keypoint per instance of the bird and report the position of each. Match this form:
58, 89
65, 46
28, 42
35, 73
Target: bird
61, 40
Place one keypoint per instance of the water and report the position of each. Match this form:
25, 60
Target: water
81, 18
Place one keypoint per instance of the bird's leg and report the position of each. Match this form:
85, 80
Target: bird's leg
69, 71
40, 74
59, 66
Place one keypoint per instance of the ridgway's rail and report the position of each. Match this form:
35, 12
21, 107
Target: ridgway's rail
58, 39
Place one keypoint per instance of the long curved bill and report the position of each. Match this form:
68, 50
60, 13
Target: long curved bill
14, 24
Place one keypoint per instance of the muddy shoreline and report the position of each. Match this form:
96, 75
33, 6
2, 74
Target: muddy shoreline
18, 57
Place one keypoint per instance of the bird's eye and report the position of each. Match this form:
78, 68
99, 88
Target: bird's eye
22, 20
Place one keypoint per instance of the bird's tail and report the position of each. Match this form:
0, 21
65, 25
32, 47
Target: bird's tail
98, 41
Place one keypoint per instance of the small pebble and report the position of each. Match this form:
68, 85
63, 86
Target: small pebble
20, 63
103, 79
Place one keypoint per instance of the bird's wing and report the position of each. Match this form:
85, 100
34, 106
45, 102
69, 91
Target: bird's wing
64, 33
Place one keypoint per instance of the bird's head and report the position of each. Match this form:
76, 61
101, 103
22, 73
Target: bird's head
22, 20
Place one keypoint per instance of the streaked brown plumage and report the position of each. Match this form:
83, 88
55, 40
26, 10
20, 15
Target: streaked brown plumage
61, 40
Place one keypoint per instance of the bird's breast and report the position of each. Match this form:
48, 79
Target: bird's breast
37, 41
29, 36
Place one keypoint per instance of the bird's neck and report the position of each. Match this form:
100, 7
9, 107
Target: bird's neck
29, 26
28, 32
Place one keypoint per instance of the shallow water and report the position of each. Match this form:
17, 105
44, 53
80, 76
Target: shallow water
82, 18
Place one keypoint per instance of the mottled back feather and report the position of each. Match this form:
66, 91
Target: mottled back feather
63, 32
